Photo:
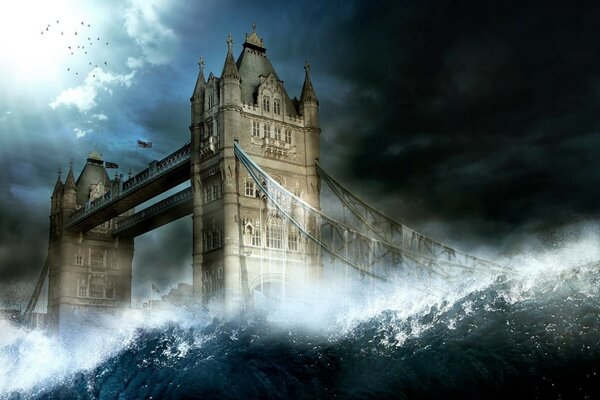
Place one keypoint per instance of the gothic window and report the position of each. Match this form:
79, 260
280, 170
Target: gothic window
267, 130
97, 259
211, 100
207, 193
110, 289
249, 187
82, 288
215, 190
255, 129
266, 103
78, 260
274, 233
293, 239
277, 106
256, 238
209, 128
278, 133
96, 287
288, 136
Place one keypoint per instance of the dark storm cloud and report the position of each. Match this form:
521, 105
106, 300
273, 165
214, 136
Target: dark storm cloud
485, 111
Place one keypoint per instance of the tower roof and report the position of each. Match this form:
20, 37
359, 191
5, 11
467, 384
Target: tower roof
70, 181
308, 92
92, 174
200, 82
252, 64
58, 186
230, 70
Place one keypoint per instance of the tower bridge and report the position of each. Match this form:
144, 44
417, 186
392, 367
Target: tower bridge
253, 165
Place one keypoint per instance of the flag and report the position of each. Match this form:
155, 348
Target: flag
155, 288
143, 144
109, 164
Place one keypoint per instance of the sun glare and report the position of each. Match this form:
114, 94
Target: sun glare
35, 38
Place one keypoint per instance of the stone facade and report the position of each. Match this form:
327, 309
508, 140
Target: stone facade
90, 273
241, 244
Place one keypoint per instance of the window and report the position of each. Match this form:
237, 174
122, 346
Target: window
209, 128
249, 187
274, 233
278, 133
292, 239
255, 129
277, 106
215, 190
211, 100
110, 289
266, 103
267, 130
82, 289
97, 259
288, 136
78, 260
256, 239
96, 287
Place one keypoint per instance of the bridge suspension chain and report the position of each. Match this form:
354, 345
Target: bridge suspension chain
374, 257
398, 234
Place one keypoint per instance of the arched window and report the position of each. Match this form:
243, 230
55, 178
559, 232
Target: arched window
256, 238
249, 189
292, 239
275, 233
255, 129
277, 106
110, 289
97, 259
266, 103
96, 287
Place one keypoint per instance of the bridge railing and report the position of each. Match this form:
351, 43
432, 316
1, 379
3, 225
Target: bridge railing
155, 169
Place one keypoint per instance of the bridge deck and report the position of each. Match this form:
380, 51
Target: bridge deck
170, 209
158, 178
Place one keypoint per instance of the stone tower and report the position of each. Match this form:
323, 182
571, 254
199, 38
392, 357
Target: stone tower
242, 246
90, 273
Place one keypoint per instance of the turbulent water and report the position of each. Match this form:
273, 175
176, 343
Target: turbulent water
533, 333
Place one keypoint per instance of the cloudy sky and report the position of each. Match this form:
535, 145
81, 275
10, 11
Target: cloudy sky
477, 123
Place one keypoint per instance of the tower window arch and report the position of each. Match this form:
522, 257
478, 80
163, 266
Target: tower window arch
97, 259
275, 233
277, 106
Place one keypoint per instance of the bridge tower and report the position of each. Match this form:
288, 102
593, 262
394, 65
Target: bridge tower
242, 246
89, 273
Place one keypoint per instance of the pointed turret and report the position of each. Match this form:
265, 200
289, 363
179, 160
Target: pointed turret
70, 190
308, 94
309, 104
230, 77
230, 70
200, 82
197, 98
57, 194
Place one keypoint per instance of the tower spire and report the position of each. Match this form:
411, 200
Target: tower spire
230, 70
308, 92
70, 181
200, 82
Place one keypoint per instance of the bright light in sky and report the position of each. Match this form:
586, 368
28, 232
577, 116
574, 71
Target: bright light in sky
29, 55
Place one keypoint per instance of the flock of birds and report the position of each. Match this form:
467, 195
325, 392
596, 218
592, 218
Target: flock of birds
79, 43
